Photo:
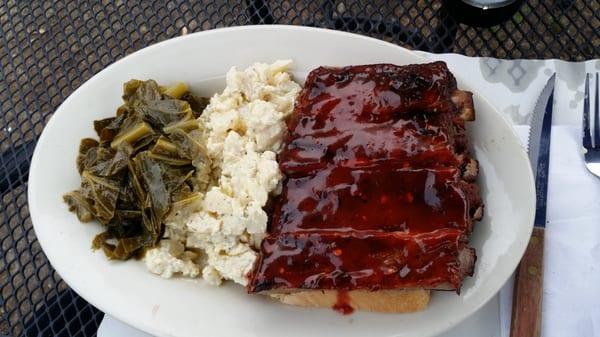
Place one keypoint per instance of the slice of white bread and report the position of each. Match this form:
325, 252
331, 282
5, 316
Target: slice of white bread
390, 301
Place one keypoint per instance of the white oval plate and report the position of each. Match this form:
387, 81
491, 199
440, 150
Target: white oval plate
180, 307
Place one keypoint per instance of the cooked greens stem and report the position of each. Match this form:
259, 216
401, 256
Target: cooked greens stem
164, 146
186, 125
177, 90
140, 130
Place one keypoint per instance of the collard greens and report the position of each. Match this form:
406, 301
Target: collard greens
141, 168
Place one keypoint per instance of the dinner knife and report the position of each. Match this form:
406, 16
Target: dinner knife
527, 294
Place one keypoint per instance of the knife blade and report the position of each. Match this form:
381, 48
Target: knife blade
527, 294
539, 148
537, 122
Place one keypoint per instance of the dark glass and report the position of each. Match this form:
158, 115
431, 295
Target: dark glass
482, 13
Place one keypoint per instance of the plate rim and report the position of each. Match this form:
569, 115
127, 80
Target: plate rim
35, 161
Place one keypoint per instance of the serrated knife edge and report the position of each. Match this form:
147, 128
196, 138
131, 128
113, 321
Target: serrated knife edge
537, 119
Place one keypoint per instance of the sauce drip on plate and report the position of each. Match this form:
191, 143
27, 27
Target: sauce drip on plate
342, 304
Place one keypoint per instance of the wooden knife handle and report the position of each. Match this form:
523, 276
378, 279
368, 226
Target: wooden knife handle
527, 295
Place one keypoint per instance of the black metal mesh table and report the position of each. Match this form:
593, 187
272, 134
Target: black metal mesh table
49, 48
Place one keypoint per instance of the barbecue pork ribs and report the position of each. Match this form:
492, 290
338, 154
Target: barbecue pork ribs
380, 190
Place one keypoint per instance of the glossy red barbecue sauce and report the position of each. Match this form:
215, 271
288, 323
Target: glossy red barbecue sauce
342, 98
372, 198
360, 260
421, 142
368, 115
382, 198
